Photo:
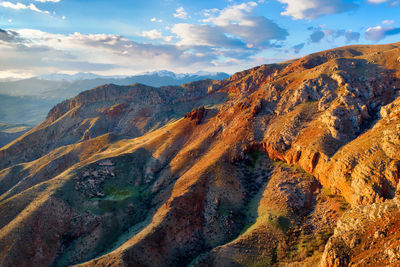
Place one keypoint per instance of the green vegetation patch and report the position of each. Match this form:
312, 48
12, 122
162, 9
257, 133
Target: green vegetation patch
113, 193
290, 167
273, 218
310, 244
259, 261
253, 158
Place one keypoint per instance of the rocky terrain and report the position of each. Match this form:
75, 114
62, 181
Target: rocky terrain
289, 164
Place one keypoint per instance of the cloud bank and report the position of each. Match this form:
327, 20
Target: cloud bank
224, 37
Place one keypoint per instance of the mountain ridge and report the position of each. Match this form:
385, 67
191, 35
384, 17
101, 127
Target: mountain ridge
293, 163
92, 76
41, 95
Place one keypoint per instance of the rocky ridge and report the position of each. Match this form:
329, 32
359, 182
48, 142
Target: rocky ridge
290, 164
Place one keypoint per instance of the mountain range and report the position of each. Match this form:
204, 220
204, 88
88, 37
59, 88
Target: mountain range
288, 164
27, 101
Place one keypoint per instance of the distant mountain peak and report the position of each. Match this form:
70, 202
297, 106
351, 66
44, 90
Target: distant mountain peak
161, 73
67, 77
74, 77
167, 73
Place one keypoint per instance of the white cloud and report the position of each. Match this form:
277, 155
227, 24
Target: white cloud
152, 34
208, 12
375, 33
180, 13
391, 3
377, 1
230, 38
155, 34
19, 6
378, 33
311, 9
168, 38
63, 17
240, 21
39, 52
156, 20
238, 14
233, 34
34, 52
388, 22
12, 5
203, 35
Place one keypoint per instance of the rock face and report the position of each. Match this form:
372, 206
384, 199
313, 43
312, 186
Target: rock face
366, 236
290, 164
196, 115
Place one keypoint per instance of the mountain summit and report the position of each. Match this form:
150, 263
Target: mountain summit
289, 164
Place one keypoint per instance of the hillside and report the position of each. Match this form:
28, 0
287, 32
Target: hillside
289, 164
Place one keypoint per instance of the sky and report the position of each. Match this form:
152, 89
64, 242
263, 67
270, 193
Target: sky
126, 37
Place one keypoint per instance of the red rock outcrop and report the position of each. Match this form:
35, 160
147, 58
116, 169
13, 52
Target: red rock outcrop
196, 115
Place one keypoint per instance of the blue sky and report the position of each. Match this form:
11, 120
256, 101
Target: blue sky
122, 37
